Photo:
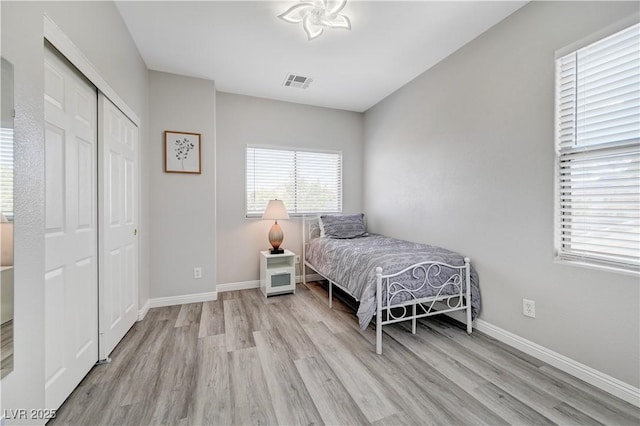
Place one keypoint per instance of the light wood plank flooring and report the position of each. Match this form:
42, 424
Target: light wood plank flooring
291, 360
6, 348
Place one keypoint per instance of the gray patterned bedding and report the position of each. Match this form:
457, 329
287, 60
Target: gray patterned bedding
351, 263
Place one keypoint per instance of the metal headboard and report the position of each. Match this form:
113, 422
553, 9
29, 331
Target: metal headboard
310, 231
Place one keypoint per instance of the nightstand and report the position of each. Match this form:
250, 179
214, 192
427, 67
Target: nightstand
277, 273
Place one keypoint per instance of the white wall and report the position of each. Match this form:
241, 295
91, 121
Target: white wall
182, 205
243, 120
463, 157
97, 29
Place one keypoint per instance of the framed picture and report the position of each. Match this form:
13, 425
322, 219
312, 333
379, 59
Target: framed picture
181, 152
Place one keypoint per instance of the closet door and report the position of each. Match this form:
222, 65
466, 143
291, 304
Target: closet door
71, 273
118, 195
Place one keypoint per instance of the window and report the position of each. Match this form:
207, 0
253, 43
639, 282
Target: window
307, 181
598, 152
6, 172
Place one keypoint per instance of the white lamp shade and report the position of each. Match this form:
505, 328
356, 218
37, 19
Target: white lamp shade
275, 210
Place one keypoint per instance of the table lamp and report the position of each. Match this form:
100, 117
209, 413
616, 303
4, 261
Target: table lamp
276, 210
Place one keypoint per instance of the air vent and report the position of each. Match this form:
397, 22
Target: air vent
298, 81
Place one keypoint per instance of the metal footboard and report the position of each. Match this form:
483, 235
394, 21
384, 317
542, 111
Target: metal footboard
400, 301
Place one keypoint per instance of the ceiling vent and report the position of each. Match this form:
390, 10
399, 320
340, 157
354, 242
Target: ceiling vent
298, 81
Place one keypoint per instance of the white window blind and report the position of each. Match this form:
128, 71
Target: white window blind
6, 172
306, 181
598, 152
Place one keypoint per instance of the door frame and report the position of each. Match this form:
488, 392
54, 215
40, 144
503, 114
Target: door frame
63, 43
58, 39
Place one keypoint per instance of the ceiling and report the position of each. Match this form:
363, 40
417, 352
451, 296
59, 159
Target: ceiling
246, 49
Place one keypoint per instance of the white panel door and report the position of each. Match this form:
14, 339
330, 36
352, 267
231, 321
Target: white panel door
71, 273
118, 203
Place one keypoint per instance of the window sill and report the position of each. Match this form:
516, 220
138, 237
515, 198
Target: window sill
597, 267
291, 215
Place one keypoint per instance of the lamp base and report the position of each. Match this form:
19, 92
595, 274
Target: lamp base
276, 251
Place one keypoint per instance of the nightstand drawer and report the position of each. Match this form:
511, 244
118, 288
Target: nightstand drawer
280, 278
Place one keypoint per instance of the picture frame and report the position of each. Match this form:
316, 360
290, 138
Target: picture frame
182, 152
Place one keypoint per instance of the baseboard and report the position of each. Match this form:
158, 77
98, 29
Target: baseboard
247, 285
310, 277
142, 312
182, 300
594, 377
241, 285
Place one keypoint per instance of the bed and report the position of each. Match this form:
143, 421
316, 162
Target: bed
393, 280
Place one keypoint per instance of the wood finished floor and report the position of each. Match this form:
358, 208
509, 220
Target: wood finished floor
6, 348
291, 360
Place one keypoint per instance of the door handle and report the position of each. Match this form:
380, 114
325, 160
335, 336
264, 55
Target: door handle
135, 231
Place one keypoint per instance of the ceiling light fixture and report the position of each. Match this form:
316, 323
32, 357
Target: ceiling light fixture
316, 15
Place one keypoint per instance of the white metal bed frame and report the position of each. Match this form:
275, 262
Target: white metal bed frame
422, 307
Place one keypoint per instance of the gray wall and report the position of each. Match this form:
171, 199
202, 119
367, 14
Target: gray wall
97, 29
243, 120
463, 157
183, 205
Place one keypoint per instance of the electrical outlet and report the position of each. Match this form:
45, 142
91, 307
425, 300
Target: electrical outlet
297, 259
197, 272
528, 308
